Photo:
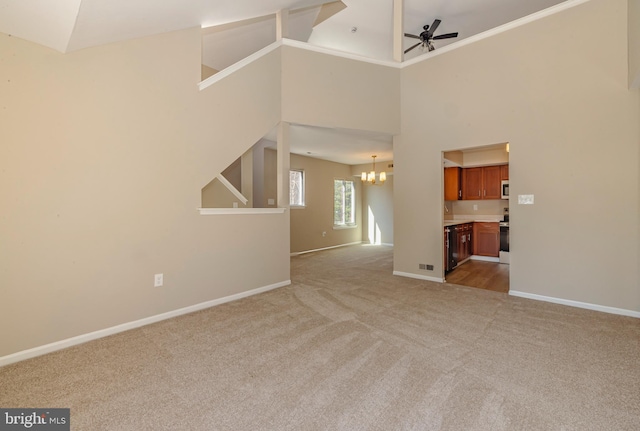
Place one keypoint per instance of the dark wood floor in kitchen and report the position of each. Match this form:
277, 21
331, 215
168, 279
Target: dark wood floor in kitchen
483, 275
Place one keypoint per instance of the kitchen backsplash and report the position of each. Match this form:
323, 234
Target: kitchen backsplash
476, 208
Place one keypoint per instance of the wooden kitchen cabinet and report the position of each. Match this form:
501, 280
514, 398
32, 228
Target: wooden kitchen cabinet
466, 235
472, 183
491, 182
504, 172
452, 184
486, 239
481, 183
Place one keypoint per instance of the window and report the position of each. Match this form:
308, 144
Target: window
344, 203
296, 188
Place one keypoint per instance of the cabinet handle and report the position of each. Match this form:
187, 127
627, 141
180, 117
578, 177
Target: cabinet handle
485, 192
459, 193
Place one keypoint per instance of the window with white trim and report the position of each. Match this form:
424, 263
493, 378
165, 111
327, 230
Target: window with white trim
296, 188
344, 203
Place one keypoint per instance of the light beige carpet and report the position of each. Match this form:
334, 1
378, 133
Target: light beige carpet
348, 346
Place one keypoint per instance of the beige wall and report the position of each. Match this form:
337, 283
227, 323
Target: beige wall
634, 43
327, 91
485, 157
573, 125
377, 212
270, 178
308, 224
217, 195
103, 156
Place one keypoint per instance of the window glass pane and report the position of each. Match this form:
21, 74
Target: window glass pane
349, 209
344, 203
296, 188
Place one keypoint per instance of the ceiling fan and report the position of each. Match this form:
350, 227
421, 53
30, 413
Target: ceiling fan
427, 36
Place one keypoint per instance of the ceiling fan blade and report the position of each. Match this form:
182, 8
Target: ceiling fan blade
433, 27
445, 36
407, 50
412, 35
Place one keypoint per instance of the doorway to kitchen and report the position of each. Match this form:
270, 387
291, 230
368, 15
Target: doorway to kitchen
476, 217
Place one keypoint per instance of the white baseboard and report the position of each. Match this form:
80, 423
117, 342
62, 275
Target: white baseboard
296, 253
418, 276
578, 304
485, 258
63, 344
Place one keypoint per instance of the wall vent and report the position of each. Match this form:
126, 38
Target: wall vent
425, 266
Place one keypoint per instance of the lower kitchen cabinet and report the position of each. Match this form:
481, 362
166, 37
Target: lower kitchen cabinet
486, 239
465, 234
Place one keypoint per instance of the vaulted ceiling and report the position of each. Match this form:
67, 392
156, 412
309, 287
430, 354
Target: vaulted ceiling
68, 25
235, 29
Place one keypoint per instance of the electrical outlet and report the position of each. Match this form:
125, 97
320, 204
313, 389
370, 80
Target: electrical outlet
475, 207
158, 280
324, 234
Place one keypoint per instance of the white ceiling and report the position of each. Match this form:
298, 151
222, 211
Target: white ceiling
351, 147
244, 26
67, 25
374, 22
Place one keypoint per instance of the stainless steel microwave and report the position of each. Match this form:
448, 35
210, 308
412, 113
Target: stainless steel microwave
505, 189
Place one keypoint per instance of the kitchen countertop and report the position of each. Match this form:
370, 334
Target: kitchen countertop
478, 220
455, 222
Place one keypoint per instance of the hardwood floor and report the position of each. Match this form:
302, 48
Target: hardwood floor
483, 275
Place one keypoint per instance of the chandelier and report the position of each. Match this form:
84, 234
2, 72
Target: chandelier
370, 177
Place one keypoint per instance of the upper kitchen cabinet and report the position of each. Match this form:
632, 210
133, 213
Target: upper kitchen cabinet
452, 184
491, 182
504, 172
481, 183
472, 183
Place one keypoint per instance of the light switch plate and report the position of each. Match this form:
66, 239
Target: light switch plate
525, 199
